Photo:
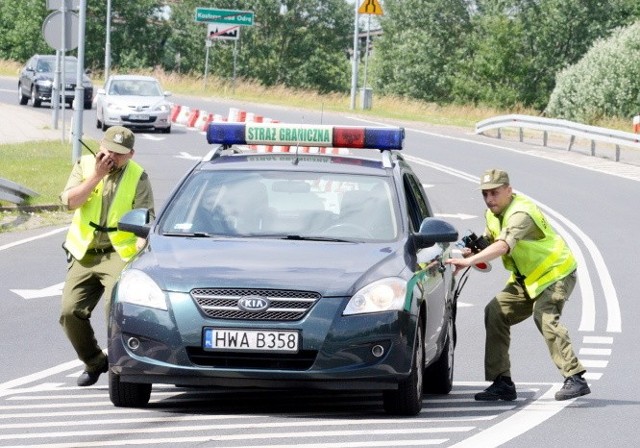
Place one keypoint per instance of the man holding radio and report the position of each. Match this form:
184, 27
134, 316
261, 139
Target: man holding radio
543, 275
100, 189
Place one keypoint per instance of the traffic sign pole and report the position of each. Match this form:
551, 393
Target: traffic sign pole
354, 66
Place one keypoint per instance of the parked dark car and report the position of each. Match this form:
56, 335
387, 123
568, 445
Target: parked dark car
35, 85
311, 268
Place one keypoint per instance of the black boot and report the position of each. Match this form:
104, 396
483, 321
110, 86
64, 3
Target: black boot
501, 389
574, 386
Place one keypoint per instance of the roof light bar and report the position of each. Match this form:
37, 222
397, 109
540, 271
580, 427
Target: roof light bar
305, 135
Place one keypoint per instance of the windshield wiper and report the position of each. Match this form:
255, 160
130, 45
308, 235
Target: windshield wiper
189, 234
314, 238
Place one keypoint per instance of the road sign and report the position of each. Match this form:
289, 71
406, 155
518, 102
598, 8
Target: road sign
52, 30
370, 7
222, 31
227, 16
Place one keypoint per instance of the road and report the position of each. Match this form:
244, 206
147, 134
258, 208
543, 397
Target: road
41, 406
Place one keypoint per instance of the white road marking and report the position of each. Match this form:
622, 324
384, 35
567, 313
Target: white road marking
33, 238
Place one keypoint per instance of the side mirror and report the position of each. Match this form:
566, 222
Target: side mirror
434, 230
136, 221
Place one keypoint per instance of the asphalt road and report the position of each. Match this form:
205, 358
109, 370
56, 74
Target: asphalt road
589, 200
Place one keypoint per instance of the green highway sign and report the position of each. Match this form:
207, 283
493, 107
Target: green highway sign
227, 16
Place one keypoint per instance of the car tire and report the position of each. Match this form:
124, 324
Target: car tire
128, 395
35, 102
438, 378
104, 126
166, 130
21, 98
98, 123
88, 105
407, 399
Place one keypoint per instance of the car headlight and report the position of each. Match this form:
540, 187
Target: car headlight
162, 107
383, 295
138, 288
45, 82
114, 106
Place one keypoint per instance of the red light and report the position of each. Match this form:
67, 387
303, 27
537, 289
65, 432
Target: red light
348, 137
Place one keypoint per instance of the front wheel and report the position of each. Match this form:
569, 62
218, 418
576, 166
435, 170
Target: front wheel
21, 97
407, 399
128, 395
439, 375
35, 102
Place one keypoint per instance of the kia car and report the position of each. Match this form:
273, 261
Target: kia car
317, 266
36, 79
133, 101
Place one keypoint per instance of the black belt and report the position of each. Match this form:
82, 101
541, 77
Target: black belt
104, 250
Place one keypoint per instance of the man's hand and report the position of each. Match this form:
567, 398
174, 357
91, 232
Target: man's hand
104, 164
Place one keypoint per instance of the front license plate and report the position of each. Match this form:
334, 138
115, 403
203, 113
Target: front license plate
138, 117
251, 340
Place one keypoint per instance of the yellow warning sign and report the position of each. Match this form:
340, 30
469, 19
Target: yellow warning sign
370, 7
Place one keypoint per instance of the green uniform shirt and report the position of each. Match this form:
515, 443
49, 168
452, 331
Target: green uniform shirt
143, 198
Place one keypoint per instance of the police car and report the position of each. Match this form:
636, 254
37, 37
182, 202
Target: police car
288, 259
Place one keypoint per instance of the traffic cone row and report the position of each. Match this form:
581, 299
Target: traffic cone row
200, 119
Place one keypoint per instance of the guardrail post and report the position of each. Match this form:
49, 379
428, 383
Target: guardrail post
521, 132
545, 137
571, 140
617, 153
499, 134
593, 147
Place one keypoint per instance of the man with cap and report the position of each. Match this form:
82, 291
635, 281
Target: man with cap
100, 189
543, 275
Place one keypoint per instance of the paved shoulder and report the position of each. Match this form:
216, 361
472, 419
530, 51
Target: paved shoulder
21, 124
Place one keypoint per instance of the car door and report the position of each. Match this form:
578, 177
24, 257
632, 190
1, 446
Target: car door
27, 75
430, 264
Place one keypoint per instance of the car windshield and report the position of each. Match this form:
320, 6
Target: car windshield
283, 204
134, 87
49, 66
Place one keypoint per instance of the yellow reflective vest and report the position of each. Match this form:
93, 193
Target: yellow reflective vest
541, 262
81, 232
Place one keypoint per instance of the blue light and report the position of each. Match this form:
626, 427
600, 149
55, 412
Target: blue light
383, 138
226, 133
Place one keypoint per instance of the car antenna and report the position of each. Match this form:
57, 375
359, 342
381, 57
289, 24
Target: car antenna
86, 146
296, 160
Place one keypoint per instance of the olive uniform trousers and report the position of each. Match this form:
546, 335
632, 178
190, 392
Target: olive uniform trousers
513, 305
86, 282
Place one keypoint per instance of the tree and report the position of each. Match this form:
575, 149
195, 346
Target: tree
422, 45
603, 83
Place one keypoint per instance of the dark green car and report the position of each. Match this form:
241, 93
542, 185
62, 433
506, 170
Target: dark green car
303, 268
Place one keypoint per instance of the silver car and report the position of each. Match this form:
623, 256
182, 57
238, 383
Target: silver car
133, 101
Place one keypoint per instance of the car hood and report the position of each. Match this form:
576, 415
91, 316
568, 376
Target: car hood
332, 269
136, 100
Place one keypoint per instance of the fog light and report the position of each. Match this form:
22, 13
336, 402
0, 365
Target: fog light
377, 351
133, 343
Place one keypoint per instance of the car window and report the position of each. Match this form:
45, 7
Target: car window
273, 203
43, 66
416, 202
135, 87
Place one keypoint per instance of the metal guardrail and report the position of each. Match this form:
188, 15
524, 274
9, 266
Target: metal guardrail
14, 193
547, 125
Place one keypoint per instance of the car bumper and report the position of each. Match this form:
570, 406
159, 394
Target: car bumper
153, 120
336, 352
44, 94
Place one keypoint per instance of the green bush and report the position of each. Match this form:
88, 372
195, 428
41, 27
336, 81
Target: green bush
604, 83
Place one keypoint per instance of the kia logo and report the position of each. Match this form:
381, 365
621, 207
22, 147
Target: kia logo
253, 303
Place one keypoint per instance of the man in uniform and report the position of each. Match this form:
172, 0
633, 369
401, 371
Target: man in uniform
100, 189
543, 275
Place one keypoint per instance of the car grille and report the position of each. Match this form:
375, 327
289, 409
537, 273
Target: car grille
278, 361
284, 305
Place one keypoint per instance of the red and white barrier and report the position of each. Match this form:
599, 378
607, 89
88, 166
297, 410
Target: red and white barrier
636, 124
175, 110
192, 118
183, 115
